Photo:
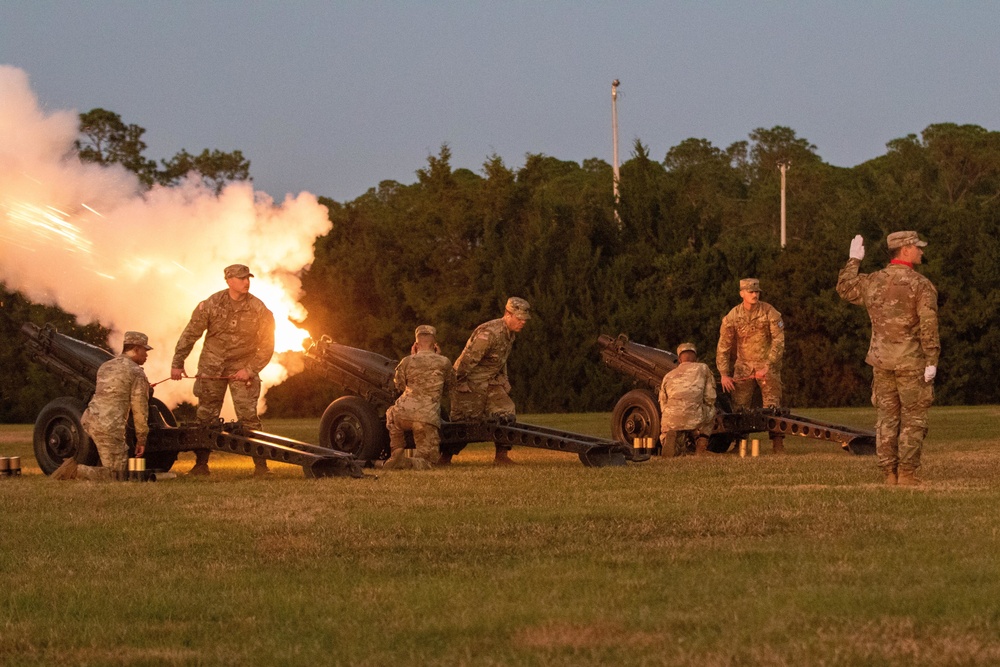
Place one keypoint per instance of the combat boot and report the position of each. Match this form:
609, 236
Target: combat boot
701, 445
502, 458
65, 471
200, 467
444, 459
777, 444
260, 469
890, 477
909, 478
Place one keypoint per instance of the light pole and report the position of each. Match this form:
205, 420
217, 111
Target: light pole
783, 166
614, 143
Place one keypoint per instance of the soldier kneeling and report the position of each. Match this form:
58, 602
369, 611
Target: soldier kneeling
423, 377
687, 403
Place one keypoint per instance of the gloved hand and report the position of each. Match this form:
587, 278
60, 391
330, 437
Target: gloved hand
857, 248
929, 373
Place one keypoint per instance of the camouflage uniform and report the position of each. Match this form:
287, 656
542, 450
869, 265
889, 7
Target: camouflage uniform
121, 387
423, 377
902, 305
482, 386
758, 336
687, 403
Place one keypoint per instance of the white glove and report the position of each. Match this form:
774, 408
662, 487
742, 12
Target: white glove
929, 373
858, 248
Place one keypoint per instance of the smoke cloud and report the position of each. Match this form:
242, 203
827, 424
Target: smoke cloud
87, 238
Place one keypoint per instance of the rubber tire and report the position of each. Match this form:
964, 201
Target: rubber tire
636, 415
350, 424
59, 435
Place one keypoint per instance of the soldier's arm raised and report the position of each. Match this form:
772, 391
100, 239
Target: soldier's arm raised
849, 284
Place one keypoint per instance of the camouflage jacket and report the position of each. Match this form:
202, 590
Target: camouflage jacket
484, 359
757, 336
902, 305
240, 335
687, 397
423, 378
121, 386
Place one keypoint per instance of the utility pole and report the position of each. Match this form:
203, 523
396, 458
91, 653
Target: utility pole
614, 143
783, 166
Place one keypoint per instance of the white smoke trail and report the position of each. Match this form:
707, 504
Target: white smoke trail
86, 237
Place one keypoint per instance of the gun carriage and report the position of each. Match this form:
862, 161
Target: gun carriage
355, 423
637, 413
58, 434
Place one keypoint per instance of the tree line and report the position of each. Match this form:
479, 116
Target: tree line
449, 248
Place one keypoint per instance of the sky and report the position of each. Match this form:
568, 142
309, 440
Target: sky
332, 98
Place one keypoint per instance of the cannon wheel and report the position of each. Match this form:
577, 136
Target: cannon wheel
350, 424
636, 415
58, 435
159, 414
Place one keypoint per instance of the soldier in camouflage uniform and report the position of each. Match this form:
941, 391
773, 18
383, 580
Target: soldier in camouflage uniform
121, 387
482, 390
423, 377
755, 333
687, 403
239, 342
904, 349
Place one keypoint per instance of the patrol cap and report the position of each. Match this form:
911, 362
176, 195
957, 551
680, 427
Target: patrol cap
425, 330
750, 285
137, 338
901, 239
686, 347
519, 308
238, 271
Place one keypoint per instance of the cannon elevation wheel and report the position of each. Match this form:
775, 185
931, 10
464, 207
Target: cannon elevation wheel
350, 424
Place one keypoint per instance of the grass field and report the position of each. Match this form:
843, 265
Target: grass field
804, 559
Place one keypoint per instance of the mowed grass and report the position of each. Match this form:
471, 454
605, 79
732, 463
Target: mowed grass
804, 559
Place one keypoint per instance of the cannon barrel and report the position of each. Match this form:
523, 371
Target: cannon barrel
645, 365
74, 361
360, 372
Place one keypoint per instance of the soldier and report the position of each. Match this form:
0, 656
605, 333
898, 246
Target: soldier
423, 377
757, 333
121, 386
904, 349
687, 403
482, 388
239, 342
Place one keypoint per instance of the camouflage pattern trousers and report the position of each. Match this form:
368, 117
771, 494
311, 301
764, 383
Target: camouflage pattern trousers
901, 400
212, 393
114, 459
479, 402
426, 439
770, 389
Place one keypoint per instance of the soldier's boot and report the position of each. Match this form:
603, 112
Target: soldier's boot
890, 477
444, 459
668, 444
200, 467
502, 457
777, 444
909, 478
65, 471
701, 445
260, 468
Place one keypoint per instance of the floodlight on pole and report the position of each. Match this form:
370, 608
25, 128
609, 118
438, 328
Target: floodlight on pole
614, 144
783, 167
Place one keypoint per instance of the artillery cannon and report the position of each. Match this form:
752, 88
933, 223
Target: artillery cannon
59, 435
637, 413
355, 423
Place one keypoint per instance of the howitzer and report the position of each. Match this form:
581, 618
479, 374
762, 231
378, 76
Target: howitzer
59, 435
356, 423
637, 413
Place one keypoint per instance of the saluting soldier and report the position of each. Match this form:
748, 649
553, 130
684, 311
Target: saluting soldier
482, 390
423, 377
754, 333
687, 402
904, 349
239, 343
122, 387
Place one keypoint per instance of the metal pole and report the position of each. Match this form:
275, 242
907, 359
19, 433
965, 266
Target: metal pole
614, 143
783, 166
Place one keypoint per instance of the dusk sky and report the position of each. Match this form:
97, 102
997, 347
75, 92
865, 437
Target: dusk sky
334, 97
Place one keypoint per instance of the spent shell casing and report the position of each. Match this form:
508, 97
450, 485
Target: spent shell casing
15, 465
4, 465
743, 448
755, 447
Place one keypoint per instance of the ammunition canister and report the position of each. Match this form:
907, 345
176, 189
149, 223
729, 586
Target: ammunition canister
743, 448
15, 466
755, 447
4, 466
